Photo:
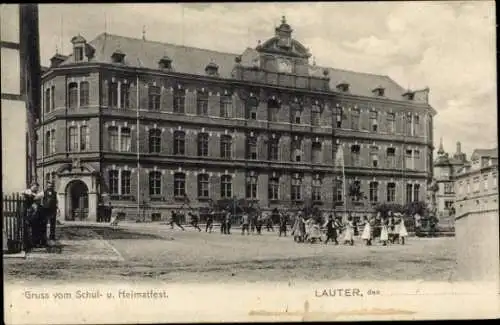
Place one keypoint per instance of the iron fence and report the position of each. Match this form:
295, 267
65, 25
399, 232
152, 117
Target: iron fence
13, 223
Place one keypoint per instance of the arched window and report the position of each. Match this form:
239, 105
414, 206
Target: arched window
296, 188
273, 149
126, 140
179, 143
154, 93
373, 192
84, 138
252, 105
155, 183
316, 190
317, 157
315, 114
179, 99
84, 93
226, 105
203, 144
273, 110
73, 95
113, 182
202, 102
251, 186
73, 139
226, 186
203, 186
273, 188
251, 147
225, 146
391, 192
179, 184
154, 141
339, 190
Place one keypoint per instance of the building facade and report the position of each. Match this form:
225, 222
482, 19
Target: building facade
446, 168
20, 93
150, 123
476, 219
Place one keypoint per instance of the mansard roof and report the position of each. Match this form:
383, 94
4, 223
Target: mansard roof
191, 60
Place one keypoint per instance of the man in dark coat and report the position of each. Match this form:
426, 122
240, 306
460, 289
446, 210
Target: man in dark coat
50, 210
331, 231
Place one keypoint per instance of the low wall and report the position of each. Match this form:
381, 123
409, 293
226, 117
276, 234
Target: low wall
477, 240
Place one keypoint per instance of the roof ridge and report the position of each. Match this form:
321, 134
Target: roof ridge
163, 43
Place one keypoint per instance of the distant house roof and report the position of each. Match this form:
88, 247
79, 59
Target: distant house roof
191, 60
490, 153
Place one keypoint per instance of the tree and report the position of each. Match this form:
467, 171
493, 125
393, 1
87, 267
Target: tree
384, 208
413, 208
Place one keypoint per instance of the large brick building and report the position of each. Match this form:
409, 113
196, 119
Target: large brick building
149, 122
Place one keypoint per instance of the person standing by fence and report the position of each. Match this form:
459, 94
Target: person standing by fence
50, 210
32, 216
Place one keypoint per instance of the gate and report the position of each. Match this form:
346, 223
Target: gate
13, 223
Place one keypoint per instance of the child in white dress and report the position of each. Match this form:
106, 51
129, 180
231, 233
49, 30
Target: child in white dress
384, 232
349, 232
367, 232
403, 233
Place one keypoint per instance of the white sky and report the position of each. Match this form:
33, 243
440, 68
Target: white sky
448, 46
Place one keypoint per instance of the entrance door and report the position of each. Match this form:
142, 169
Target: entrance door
77, 195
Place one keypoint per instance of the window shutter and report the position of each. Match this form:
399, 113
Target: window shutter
167, 145
215, 187
213, 105
326, 117
285, 188
238, 108
167, 100
400, 155
365, 119
240, 146
399, 123
143, 139
262, 111
191, 143
327, 152
104, 93
143, 185
365, 155
262, 185
133, 96
306, 149
306, 115
262, 147
346, 124
382, 156
133, 139
133, 184
284, 113
168, 185
284, 145
190, 102
143, 97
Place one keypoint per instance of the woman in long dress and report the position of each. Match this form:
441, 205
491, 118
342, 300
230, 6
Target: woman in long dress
384, 232
349, 232
403, 233
367, 231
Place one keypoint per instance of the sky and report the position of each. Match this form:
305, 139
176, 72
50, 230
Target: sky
448, 46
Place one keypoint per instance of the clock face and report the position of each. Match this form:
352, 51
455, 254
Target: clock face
284, 65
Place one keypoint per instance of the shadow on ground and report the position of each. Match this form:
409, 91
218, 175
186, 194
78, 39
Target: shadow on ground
106, 232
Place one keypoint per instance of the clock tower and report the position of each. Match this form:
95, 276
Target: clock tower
283, 54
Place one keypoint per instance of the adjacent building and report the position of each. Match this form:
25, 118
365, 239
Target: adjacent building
150, 123
446, 167
20, 88
476, 220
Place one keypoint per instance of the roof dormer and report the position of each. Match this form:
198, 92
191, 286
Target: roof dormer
57, 59
79, 45
212, 69
379, 91
118, 56
165, 63
409, 95
343, 86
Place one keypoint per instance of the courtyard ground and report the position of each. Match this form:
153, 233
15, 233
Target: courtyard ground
136, 252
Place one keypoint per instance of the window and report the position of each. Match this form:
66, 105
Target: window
155, 183
47, 100
113, 94
125, 95
125, 186
373, 192
84, 138
78, 54
273, 110
252, 106
154, 141
316, 190
154, 93
114, 145
391, 118
52, 141
315, 115
339, 116
355, 119
179, 99
73, 95
203, 186
357, 185
296, 189
475, 184
416, 125
374, 120
273, 149
391, 192
251, 148
179, 184
225, 147
126, 142
339, 191
73, 139
226, 186
374, 156
448, 188
47, 143
226, 106
47, 179
468, 187
273, 188
416, 158
113, 182
251, 187
179, 140
355, 154
52, 98
409, 192
316, 153
409, 159
202, 103
409, 124
297, 150
84, 93
203, 144
296, 115
416, 192
494, 175
391, 158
